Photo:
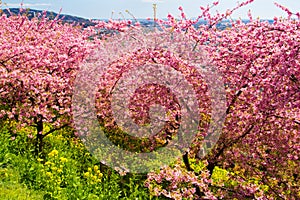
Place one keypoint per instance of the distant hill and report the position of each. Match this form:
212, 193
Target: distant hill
51, 15
86, 22
66, 18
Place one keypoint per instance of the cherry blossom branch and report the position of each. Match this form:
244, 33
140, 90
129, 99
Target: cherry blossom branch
235, 98
212, 162
55, 129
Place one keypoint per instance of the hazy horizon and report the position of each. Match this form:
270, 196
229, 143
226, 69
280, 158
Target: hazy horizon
142, 9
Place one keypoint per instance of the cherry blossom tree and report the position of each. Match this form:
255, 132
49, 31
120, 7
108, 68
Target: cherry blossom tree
259, 144
257, 154
38, 62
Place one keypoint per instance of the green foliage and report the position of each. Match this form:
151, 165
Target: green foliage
11, 189
64, 170
219, 176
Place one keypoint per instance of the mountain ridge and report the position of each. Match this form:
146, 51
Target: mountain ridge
49, 14
88, 22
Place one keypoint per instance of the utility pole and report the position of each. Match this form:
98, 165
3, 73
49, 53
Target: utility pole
154, 13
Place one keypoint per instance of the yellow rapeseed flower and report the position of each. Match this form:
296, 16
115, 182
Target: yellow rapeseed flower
94, 177
53, 153
98, 181
63, 160
99, 174
53, 168
86, 174
48, 174
48, 163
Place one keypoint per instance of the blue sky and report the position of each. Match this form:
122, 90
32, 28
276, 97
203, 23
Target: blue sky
100, 9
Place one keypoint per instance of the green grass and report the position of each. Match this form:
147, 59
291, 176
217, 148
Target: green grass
12, 189
64, 170
16, 191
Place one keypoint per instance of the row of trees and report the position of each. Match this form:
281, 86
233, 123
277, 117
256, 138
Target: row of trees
39, 60
259, 61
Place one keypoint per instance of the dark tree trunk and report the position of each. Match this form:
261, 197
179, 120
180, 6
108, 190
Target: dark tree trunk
186, 162
39, 141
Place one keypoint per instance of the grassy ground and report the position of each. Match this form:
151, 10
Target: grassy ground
15, 191
11, 189
64, 170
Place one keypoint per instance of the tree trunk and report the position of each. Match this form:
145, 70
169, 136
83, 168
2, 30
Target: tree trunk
39, 141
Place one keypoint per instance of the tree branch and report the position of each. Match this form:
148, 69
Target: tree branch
235, 98
55, 129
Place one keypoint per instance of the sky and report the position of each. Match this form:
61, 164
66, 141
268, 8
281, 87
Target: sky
104, 9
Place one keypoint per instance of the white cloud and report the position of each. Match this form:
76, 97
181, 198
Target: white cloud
27, 4
152, 1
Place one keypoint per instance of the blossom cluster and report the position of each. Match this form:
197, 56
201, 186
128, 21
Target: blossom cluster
260, 61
